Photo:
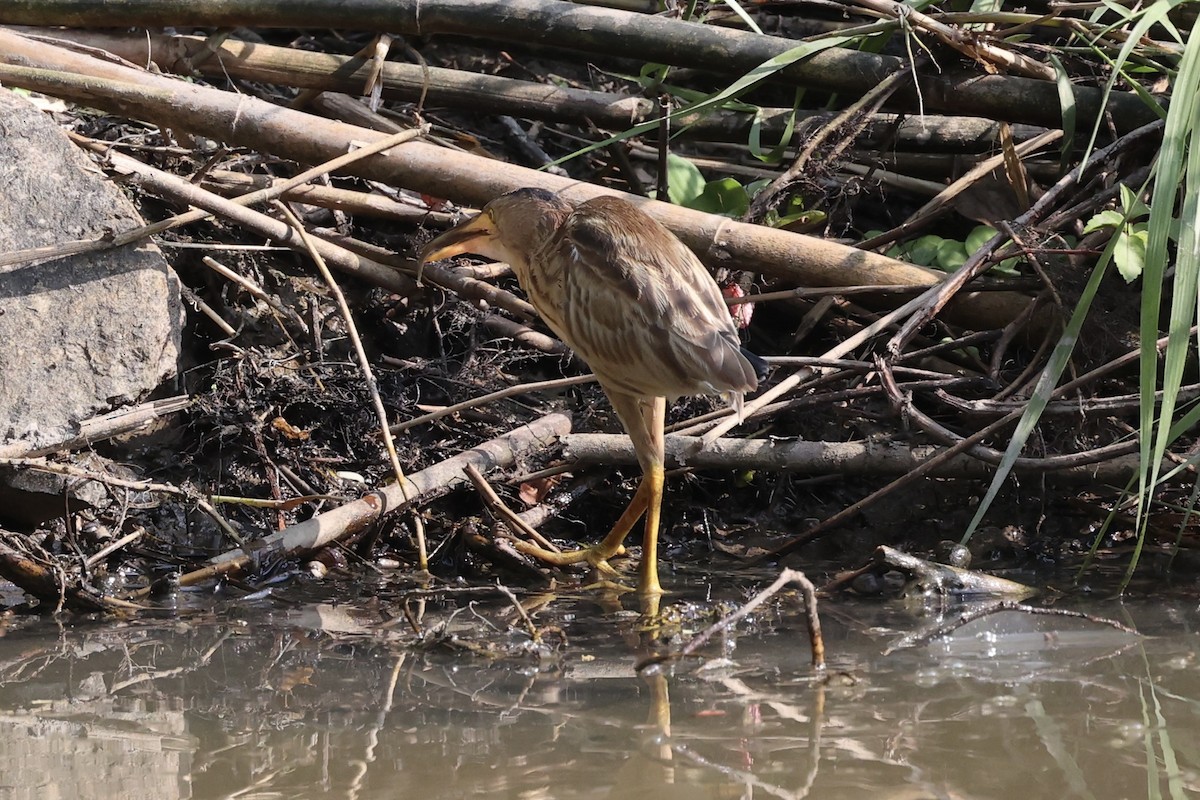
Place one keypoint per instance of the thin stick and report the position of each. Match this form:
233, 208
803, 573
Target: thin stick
792, 381
113, 547
501, 509
813, 621
142, 486
926, 636
103, 426
346, 520
270, 193
534, 633
365, 365
523, 388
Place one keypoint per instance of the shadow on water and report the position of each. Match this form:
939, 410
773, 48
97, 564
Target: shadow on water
293, 696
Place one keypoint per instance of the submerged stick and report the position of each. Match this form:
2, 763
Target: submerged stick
812, 620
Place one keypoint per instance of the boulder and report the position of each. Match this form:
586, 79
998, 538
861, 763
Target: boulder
78, 334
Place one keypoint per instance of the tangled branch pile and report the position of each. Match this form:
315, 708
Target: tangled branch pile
924, 242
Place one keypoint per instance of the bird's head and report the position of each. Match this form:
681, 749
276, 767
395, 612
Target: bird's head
508, 229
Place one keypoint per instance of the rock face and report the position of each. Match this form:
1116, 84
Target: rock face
81, 334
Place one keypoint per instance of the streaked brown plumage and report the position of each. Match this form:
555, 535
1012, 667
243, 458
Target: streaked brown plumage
636, 304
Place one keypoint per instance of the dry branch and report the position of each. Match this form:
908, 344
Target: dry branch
823, 458
102, 427
346, 520
607, 32
307, 139
481, 93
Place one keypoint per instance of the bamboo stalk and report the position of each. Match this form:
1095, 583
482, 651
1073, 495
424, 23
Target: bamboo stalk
451, 88
718, 240
607, 32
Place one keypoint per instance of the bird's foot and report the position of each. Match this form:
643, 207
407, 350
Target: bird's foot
596, 556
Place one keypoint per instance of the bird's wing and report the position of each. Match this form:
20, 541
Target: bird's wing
640, 303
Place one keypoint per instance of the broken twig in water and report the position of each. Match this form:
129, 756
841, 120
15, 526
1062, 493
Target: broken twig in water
807, 590
966, 617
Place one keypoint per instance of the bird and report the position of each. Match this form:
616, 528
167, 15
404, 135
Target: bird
637, 305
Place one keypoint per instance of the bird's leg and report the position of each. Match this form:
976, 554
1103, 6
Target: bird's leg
643, 419
597, 555
654, 414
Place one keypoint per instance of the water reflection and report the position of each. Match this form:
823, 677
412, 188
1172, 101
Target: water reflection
288, 697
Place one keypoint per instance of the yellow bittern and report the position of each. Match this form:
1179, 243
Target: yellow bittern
637, 305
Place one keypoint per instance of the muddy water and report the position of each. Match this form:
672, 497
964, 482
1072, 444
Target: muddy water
292, 695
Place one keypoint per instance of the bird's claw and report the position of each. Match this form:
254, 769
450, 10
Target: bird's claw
596, 556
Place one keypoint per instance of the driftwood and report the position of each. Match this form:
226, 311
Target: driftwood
934, 579
812, 619
346, 520
611, 32
41, 576
434, 170
482, 93
829, 458
102, 427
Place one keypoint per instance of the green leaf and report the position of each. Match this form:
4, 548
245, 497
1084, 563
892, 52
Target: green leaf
775, 154
684, 181
725, 196
1130, 253
652, 75
950, 256
924, 250
1132, 204
754, 187
1066, 101
978, 237
1105, 219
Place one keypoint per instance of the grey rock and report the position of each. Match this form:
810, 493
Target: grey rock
80, 334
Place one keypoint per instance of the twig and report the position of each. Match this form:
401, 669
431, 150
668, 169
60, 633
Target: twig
104, 426
348, 519
141, 486
821, 528
191, 666
336, 199
972, 46
475, 402
936, 298
113, 547
935, 207
859, 110
270, 193
534, 633
525, 335
365, 365
501, 510
208, 311
794, 380
903, 403
812, 620
969, 616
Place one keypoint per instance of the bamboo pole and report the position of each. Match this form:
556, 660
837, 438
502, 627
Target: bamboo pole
608, 32
246, 121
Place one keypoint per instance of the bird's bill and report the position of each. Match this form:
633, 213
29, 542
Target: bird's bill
458, 240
